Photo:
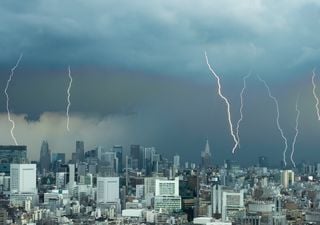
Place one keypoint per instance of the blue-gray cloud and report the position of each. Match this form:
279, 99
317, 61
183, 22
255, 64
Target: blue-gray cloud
146, 59
163, 37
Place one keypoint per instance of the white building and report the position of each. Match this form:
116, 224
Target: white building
23, 178
176, 161
108, 189
167, 203
287, 178
71, 175
23, 185
167, 187
232, 203
216, 199
167, 195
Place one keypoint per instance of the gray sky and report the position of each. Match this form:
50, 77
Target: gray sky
140, 74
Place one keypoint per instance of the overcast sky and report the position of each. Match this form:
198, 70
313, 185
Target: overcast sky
140, 76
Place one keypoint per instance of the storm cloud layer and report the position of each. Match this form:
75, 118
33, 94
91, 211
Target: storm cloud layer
140, 74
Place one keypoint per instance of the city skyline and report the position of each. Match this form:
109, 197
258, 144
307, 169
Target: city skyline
139, 76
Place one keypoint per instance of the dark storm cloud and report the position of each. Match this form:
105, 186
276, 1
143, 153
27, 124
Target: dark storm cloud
140, 65
162, 36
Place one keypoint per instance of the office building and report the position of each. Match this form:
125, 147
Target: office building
135, 153
45, 157
71, 175
167, 195
107, 189
176, 161
147, 159
206, 159
109, 160
23, 178
232, 203
216, 198
80, 151
118, 150
12, 154
286, 178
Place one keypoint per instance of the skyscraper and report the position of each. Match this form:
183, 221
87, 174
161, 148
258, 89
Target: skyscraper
23, 178
147, 163
80, 151
206, 160
12, 154
45, 157
119, 155
176, 161
216, 196
135, 157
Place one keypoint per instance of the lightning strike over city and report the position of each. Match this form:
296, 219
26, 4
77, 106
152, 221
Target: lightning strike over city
241, 107
227, 104
68, 98
315, 94
296, 133
144, 129
275, 100
8, 99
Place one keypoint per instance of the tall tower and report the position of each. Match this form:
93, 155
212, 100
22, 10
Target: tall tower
80, 151
45, 157
206, 159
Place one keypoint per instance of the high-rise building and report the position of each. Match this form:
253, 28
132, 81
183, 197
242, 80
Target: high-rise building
57, 160
167, 187
167, 195
135, 154
147, 159
206, 159
232, 203
109, 161
287, 178
61, 180
45, 157
80, 151
12, 154
216, 196
176, 161
108, 189
118, 149
23, 178
71, 175
82, 169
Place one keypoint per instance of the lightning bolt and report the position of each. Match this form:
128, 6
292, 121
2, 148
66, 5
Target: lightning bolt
68, 98
314, 93
296, 134
8, 99
227, 103
241, 106
277, 119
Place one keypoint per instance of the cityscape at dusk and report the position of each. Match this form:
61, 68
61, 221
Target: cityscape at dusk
160, 112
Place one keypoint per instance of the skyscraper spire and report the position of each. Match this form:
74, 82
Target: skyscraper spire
207, 148
206, 160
